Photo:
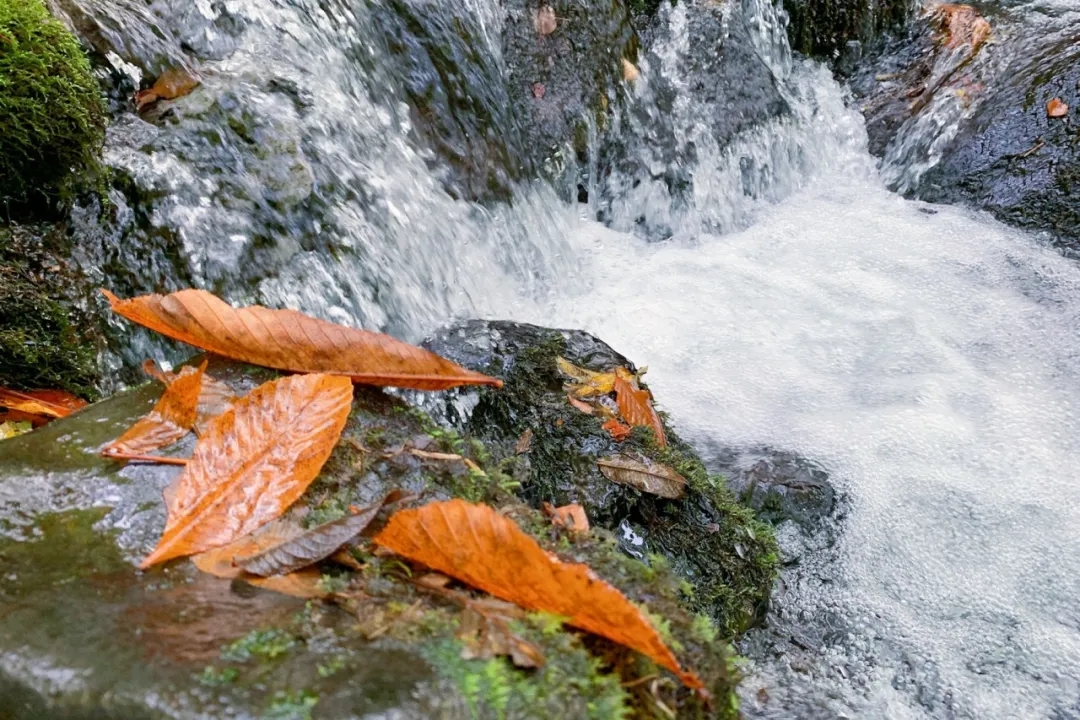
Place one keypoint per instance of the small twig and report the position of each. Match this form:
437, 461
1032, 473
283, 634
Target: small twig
640, 681
117, 455
434, 455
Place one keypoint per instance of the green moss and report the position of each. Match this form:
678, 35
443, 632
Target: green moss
267, 644
294, 705
572, 682
50, 108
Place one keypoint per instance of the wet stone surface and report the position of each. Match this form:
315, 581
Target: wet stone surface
83, 634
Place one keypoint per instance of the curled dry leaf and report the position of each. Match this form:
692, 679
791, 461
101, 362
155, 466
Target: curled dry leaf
478, 546
630, 73
171, 418
616, 429
524, 442
317, 543
570, 517
254, 462
289, 340
38, 406
215, 397
1056, 108
544, 20
635, 405
221, 562
647, 476
585, 383
484, 637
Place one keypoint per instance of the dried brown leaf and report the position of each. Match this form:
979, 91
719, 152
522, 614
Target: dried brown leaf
647, 476
317, 543
289, 340
1056, 108
254, 462
478, 546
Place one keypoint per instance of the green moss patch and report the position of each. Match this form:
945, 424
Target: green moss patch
51, 110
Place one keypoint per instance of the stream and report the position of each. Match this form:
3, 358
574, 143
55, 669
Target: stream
926, 355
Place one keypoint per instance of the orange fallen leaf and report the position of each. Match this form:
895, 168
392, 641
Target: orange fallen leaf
171, 84
39, 406
254, 461
215, 397
635, 405
289, 340
572, 517
478, 546
616, 429
961, 25
1056, 108
170, 420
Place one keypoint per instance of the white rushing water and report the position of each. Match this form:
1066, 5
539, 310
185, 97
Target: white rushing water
929, 357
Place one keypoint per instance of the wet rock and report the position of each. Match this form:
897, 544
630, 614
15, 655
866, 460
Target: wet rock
959, 120
1010, 157
83, 634
836, 30
700, 50
778, 485
460, 108
707, 537
52, 330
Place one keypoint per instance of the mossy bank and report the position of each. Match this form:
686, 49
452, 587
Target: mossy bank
51, 111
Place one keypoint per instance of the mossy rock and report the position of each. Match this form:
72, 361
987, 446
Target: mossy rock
727, 557
51, 109
50, 332
125, 644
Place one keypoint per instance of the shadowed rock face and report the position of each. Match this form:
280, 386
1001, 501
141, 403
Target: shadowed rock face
836, 30
963, 126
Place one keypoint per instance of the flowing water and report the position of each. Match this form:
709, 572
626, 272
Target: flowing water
927, 356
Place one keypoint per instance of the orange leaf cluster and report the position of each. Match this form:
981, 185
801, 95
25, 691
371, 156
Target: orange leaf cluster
254, 461
634, 403
289, 340
477, 545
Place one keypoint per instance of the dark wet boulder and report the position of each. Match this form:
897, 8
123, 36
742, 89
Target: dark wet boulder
710, 540
85, 635
778, 485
